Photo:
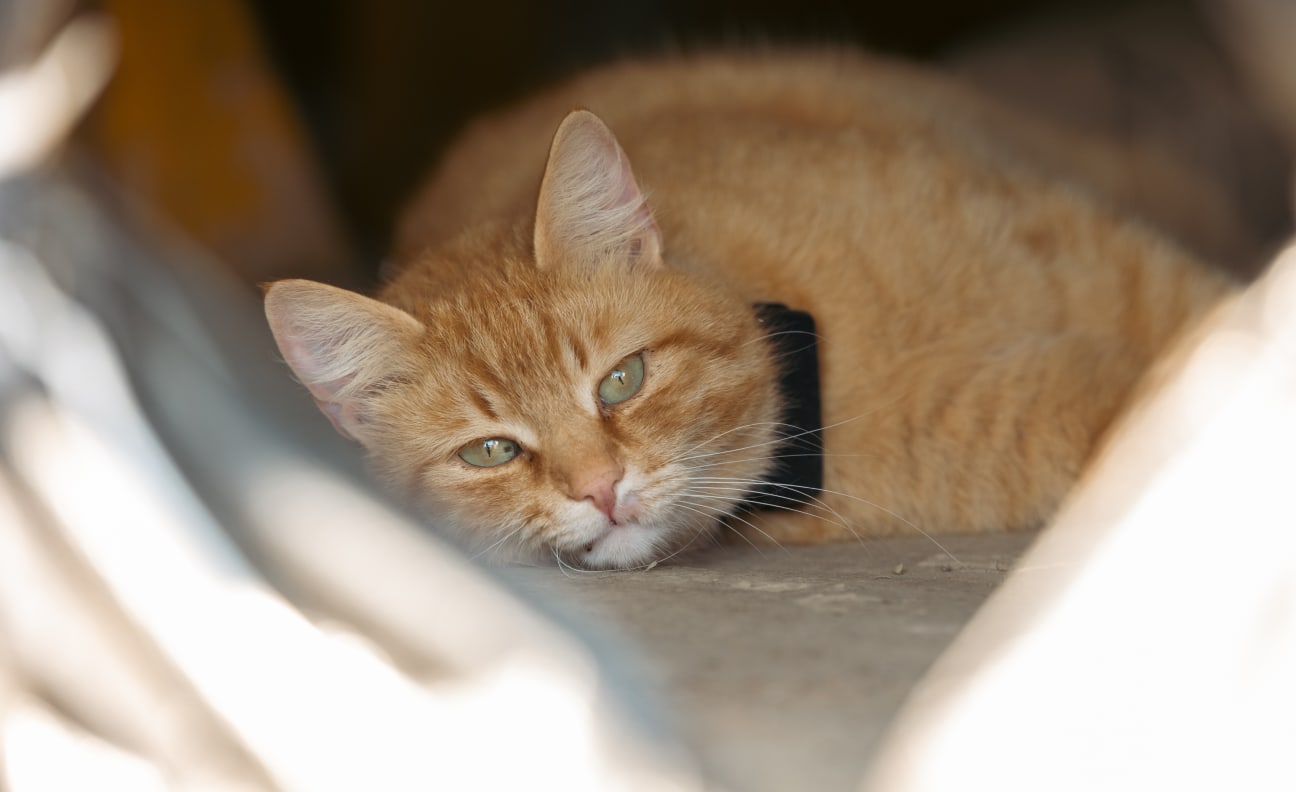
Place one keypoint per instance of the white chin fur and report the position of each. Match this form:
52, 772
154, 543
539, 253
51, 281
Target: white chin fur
589, 541
621, 547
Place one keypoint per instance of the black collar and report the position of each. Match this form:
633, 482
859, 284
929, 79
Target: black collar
798, 474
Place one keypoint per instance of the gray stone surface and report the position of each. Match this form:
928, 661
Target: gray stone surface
782, 666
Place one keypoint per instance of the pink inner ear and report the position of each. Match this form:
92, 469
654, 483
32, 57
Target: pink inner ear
304, 361
334, 341
341, 415
590, 202
301, 359
645, 245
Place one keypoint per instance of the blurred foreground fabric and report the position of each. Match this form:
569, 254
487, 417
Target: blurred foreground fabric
197, 588
1148, 639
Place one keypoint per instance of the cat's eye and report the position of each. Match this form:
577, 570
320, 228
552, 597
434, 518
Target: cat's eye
489, 453
623, 381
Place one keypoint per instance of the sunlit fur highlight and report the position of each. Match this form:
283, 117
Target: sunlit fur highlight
982, 315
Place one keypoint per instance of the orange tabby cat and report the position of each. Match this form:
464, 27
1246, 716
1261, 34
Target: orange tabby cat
567, 362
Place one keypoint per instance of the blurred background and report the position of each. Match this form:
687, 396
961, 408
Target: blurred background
383, 85
285, 135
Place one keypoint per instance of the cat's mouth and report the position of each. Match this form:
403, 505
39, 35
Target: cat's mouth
637, 543
620, 545
610, 532
593, 543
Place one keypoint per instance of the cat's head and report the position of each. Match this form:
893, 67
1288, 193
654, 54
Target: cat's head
568, 393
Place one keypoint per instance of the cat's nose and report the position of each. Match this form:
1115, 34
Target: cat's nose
599, 486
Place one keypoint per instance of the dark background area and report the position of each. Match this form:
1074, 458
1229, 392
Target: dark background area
383, 85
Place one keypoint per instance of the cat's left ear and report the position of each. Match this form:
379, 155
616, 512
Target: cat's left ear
342, 346
591, 211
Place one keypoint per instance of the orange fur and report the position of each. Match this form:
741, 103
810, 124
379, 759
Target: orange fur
982, 320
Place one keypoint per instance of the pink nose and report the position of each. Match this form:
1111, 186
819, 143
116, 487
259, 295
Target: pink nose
599, 486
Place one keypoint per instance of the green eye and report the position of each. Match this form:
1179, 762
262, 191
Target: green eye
489, 453
623, 382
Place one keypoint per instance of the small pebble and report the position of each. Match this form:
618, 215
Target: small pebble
899, 569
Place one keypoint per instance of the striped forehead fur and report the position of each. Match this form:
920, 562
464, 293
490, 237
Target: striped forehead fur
530, 326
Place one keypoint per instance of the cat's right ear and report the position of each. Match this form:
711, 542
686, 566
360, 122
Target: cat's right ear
591, 211
340, 345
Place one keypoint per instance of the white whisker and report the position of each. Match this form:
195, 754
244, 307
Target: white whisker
777, 333
500, 541
562, 567
645, 567
726, 515
839, 520
777, 440
751, 426
867, 502
720, 463
716, 516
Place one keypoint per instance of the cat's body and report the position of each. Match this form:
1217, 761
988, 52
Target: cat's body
979, 324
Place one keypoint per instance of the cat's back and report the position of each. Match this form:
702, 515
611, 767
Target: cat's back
708, 111
690, 115
833, 181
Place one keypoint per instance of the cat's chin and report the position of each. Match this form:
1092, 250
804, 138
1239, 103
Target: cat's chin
617, 547
628, 546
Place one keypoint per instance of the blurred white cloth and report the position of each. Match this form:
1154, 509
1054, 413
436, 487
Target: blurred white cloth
1148, 640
